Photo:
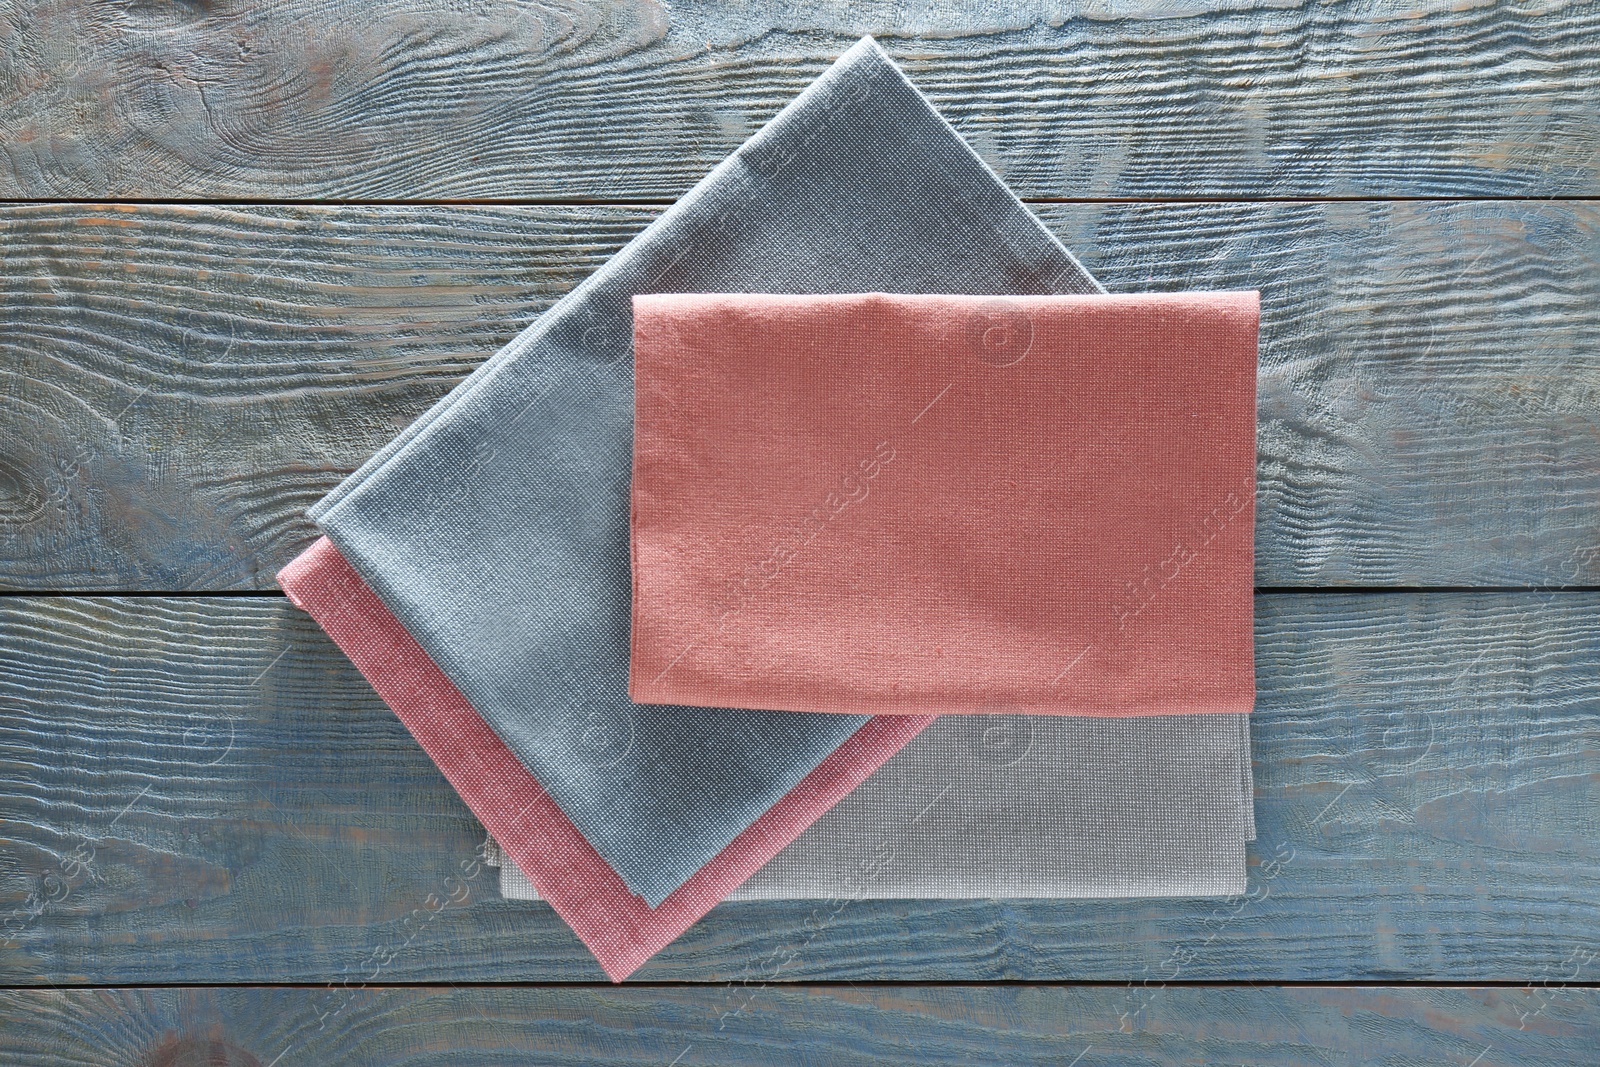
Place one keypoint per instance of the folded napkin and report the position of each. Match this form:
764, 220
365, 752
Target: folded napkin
981, 807
931, 504
495, 528
617, 926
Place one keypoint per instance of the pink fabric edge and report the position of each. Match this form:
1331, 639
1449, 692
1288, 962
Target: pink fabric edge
619, 928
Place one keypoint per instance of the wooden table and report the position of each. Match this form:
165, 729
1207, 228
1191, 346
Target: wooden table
247, 242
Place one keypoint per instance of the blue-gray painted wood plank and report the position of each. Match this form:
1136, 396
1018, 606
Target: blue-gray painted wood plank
636, 99
203, 790
181, 382
773, 1025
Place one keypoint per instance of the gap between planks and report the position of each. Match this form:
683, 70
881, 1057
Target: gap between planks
669, 201
1260, 590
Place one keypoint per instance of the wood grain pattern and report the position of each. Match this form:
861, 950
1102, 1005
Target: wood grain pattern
628, 98
203, 790
1084, 1027
179, 383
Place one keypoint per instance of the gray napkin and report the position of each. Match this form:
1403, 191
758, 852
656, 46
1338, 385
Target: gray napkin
1025, 806
495, 528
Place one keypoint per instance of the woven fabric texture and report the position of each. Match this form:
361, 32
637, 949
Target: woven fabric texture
496, 527
1024, 806
618, 927
935, 504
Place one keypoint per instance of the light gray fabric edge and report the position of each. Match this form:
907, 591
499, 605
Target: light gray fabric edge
1024, 807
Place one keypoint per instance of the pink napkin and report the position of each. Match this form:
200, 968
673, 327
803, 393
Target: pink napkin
928, 504
618, 927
